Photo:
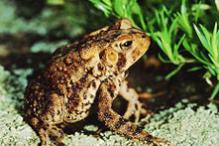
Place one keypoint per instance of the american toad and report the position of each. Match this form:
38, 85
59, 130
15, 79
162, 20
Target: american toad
92, 67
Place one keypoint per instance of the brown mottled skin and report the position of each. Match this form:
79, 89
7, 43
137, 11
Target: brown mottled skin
93, 67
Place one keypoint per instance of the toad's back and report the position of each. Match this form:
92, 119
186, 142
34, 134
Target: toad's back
64, 91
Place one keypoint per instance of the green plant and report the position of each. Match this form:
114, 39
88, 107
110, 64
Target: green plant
173, 32
165, 36
208, 56
123, 9
183, 21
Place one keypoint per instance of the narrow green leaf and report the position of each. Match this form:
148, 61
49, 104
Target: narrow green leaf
177, 46
207, 36
162, 59
214, 45
173, 27
104, 7
107, 2
137, 10
174, 72
120, 7
192, 49
202, 38
215, 92
196, 68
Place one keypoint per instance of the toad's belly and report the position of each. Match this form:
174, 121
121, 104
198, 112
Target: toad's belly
84, 100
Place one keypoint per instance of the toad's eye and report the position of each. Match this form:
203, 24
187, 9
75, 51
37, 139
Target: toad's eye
127, 44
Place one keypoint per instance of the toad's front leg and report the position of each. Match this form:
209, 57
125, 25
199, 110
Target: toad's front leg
108, 92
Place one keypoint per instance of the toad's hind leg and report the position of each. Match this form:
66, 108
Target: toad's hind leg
135, 107
119, 124
39, 128
44, 122
46, 132
56, 135
53, 117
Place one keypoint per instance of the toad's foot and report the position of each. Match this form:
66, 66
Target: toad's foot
135, 107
